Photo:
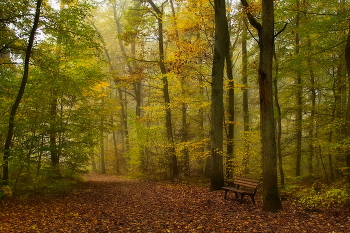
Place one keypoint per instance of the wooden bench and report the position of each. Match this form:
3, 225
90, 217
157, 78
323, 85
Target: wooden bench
244, 187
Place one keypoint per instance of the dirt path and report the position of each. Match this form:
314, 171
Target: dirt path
111, 204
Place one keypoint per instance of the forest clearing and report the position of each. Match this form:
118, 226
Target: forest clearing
106, 203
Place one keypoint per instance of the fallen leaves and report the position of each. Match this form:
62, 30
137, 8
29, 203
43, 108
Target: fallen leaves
111, 204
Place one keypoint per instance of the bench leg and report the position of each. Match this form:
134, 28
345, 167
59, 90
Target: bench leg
242, 198
252, 196
225, 194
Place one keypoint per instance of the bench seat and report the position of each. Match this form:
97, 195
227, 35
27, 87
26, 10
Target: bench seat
244, 187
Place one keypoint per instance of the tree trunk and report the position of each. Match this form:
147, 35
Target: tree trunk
117, 166
313, 111
55, 159
93, 163
271, 200
231, 116
185, 126
279, 124
298, 113
40, 153
102, 154
119, 92
184, 138
11, 124
174, 171
206, 161
347, 124
217, 106
246, 120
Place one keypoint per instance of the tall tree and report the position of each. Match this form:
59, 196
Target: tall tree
271, 199
221, 44
174, 171
231, 113
347, 132
184, 127
279, 122
20, 94
246, 118
298, 96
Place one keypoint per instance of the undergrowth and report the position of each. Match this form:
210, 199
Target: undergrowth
319, 196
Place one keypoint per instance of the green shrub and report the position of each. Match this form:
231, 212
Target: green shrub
5, 191
327, 198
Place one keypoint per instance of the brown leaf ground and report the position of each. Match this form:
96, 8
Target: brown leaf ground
111, 204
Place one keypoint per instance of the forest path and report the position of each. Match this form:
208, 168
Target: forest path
107, 203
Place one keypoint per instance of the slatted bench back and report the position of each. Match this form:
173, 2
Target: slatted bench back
246, 182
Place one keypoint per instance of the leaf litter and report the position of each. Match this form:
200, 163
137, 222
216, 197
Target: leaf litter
106, 203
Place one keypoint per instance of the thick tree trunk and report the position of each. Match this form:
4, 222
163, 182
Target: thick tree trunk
11, 125
217, 105
271, 200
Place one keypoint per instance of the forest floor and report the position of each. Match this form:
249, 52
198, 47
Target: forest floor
107, 203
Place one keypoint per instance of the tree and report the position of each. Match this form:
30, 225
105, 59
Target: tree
271, 200
347, 132
221, 43
11, 124
278, 123
174, 171
231, 112
246, 113
298, 96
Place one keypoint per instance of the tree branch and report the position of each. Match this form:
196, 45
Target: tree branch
251, 18
285, 26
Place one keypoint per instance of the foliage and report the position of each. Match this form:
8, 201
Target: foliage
47, 184
320, 196
61, 108
106, 84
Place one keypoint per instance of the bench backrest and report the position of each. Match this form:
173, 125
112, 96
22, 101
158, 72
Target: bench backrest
246, 182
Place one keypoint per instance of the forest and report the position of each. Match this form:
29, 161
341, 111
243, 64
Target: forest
180, 91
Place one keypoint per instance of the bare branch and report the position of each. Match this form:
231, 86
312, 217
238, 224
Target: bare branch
285, 26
